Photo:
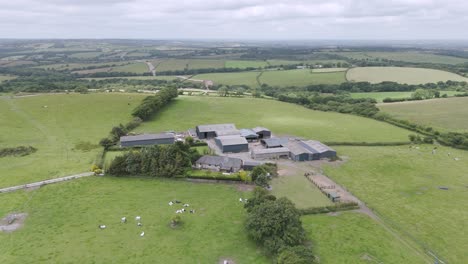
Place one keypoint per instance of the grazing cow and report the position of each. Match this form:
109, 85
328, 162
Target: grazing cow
183, 209
186, 205
139, 224
102, 226
177, 201
240, 200
142, 234
178, 211
138, 218
123, 219
171, 203
192, 211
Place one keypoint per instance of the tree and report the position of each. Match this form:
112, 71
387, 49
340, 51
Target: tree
276, 225
257, 171
223, 91
296, 255
189, 140
262, 180
260, 196
106, 143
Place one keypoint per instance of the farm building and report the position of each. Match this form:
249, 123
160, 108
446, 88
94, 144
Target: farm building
274, 142
147, 139
262, 132
233, 144
270, 153
309, 150
250, 165
216, 130
192, 132
219, 163
249, 134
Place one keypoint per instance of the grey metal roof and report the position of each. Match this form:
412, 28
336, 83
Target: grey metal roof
296, 148
270, 150
216, 127
233, 132
146, 137
275, 142
316, 146
223, 162
232, 140
245, 132
260, 129
252, 163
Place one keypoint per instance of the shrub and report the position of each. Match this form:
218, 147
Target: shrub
296, 255
18, 151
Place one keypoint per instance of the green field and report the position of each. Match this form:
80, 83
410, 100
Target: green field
242, 64
85, 55
63, 223
351, 237
379, 96
232, 78
301, 78
282, 118
179, 64
402, 185
74, 66
417, 57
137, 67
6, 77
443, 114
61, 132
400, 75
160, 77
330, 70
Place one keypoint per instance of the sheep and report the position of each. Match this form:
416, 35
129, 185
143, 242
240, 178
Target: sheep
123, 219
142, 234
102, 226
138, 218
186, 205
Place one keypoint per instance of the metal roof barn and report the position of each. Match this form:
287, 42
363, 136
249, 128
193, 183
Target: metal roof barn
219, 163
271, 153
214, 130
262, 132
147, 139
232, 144
249, 134
309, 150
275, 142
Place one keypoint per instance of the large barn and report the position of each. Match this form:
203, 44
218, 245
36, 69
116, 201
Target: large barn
232, 144
147, 139
270, 153
274, 142
219, 163
310, 150
216, 130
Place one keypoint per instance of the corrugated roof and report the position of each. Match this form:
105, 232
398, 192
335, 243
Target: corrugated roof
232, 140
223, 162
146, 137
296, 148
316, 146
245, 132
260, 129
216, 127
221, 133
310, 146
270, 150
275, 142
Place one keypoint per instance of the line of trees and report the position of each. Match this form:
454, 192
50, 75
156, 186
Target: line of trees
152, 104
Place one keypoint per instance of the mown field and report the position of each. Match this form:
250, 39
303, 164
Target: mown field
66, 132
282, 118
402, 185
137, 67
233, 78
301, 78
400, 75
351, 237
444, 114
179, 64
379, 96
63, 223
242, 64
417, 57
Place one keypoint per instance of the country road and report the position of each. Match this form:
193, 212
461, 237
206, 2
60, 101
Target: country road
151, 67
45, 182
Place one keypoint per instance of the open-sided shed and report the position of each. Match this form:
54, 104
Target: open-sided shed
147, 139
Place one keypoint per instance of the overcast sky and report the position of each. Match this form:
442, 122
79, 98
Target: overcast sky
235, 19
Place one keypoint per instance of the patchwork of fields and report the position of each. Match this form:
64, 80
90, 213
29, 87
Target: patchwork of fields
301, 78
417, 57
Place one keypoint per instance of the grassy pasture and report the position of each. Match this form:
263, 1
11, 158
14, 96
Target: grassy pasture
231, 78
417, 57
282, 118
400, 75
354, 238
444, 114
85, 55
379, 96
402, 184
63, 222
66, 133
301, 78
180, 64
137, 67
330, 70
242, 64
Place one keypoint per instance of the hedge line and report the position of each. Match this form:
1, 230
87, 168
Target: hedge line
234, 177
402, 143
345, 206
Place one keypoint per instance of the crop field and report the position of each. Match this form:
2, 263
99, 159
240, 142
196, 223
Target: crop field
301, 78
351, 237
137, 67
444, 114
64, 128
417, 57
179, 64
403, 185
282, 118
379, 96
400, 75
232, 78
330, 70
63, 222
242, 64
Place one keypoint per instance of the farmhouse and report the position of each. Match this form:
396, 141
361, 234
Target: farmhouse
262, 132
147, 139
216, 130
270, 153
232, 144
219, 163
249, 134
274, 142
309, 150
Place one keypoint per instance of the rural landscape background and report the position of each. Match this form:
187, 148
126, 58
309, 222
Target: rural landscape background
391, 100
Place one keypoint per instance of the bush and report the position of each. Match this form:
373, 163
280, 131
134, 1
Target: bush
331, 208
18, 151
296, 255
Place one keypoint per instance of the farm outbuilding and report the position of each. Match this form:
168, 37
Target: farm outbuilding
249, 134
232, 144
262, 132
250, 165
147, 139
274, 142
219, 163
270, 153
216, 130
310, 150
